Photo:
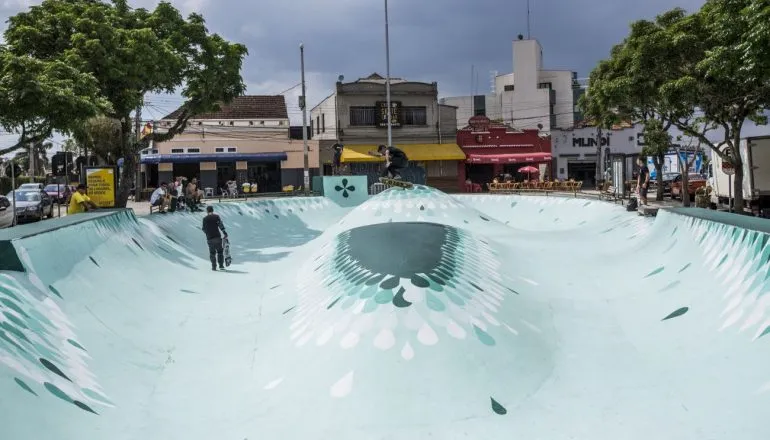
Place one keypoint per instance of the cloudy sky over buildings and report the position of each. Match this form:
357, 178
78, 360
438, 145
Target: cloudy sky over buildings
436, 40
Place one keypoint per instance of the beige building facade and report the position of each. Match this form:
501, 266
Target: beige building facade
356, 116
249, 140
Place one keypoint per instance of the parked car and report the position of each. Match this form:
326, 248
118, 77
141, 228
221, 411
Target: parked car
30, 186
668, 178
6, 213
58, 192
694, 182
32, 205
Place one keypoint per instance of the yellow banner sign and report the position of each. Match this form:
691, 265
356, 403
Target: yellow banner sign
102, 186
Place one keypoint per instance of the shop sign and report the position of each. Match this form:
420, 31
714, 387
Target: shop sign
589, 141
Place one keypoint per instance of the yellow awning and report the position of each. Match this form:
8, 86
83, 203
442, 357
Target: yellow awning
415, 152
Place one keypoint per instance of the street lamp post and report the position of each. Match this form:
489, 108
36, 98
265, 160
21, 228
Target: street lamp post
387, 75
303, 106
13, 188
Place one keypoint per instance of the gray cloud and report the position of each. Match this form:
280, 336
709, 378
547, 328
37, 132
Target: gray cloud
430, 40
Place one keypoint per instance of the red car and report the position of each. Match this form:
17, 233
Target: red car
694, 181
58, 192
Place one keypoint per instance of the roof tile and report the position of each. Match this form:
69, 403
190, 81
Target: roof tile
245, 107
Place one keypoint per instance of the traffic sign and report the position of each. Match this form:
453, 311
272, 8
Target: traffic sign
728, 168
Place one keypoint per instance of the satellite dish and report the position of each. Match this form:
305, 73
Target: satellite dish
341, 78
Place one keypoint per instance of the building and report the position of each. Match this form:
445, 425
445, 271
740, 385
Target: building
494, 148
530, 97
247, 140
575, 150
477, 105
356, 116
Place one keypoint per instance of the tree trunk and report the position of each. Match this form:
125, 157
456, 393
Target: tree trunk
738, 177
126, 179
658, 161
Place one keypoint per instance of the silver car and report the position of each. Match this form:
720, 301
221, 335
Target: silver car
6, 213
32, 205
30, 186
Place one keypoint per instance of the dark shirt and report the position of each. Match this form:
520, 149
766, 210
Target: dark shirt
211, 226
643, 173
337, 157
395, 153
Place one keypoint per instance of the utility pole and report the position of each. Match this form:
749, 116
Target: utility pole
303, 106
387, 75
31, 161
13, 188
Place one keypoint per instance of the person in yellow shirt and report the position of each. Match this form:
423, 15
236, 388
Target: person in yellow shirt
80, 202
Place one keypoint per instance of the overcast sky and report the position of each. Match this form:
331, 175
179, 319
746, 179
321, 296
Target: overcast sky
436, 40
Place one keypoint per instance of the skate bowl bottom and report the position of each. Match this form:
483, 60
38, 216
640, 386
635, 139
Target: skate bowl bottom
411, 315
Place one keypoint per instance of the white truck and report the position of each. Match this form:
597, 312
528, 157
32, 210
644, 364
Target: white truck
755, 152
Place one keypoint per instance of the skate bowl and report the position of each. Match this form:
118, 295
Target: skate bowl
411, 315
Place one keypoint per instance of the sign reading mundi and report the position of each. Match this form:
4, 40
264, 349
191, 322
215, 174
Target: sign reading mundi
102, 183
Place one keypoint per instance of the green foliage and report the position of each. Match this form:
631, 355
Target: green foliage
40, 153
100, 136
38, 96
656, 139
698, 72
130, 52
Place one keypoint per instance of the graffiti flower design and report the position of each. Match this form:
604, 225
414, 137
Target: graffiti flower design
345, 188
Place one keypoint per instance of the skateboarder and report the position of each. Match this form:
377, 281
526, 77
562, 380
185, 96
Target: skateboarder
212, 224
395, 160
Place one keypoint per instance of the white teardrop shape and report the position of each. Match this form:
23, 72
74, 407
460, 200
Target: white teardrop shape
304, 339
455, 330
385, 339
324, 337
490, 319
274, 383
511, 329
350, 340
343, 386
407, 352
426, 335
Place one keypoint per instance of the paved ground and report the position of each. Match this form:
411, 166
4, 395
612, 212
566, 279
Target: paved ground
415, 315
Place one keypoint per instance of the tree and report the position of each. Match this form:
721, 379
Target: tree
100, 136
627, 84
657, 143
39, 158
38, 96
132, 52
721, 77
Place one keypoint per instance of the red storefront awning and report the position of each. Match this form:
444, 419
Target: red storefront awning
509, 158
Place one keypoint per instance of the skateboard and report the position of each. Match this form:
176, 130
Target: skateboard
226, 251
396, 182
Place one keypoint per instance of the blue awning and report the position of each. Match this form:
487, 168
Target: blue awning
215, 157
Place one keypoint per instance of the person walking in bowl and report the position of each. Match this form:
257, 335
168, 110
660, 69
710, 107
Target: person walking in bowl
212, 224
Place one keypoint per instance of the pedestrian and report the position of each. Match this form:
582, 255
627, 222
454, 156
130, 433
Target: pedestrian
643, 181
337, 160
159, 198
212, 224
80, 202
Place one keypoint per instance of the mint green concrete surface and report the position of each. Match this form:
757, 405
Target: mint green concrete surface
411, 315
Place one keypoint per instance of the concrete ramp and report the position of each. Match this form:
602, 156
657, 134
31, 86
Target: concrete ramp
411, 315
